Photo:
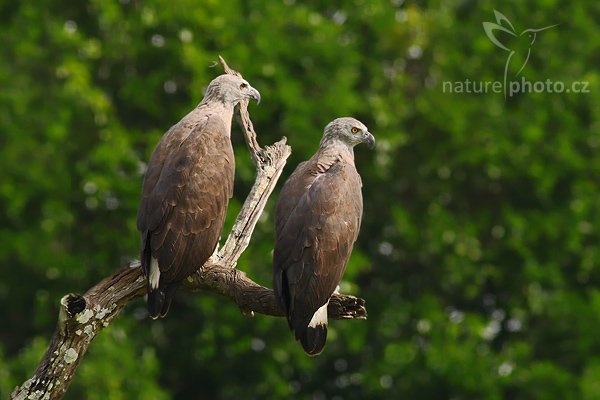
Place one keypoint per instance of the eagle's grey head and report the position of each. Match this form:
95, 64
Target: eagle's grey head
230, 90
348, 130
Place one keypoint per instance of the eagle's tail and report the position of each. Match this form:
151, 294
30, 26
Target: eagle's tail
159, 297
159, 301
314, 336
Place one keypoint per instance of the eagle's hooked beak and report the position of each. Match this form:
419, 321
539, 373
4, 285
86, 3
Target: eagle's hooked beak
254, 95
369, 139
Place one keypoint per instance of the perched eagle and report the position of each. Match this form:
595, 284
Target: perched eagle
187, 186
317, 222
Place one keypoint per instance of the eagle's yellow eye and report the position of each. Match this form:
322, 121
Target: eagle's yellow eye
243, 86
354, 130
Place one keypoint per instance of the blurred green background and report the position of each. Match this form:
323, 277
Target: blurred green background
479, 250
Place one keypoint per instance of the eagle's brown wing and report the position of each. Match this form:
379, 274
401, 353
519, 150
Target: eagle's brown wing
318, 219
184, 198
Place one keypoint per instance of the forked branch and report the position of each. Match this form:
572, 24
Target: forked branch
81, 318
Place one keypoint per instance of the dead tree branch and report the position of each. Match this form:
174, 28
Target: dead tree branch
82, 317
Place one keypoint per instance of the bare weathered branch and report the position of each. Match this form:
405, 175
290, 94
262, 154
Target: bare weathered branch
252, 297
82, 317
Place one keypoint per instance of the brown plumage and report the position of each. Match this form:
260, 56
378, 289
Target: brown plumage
316, 224
186, 189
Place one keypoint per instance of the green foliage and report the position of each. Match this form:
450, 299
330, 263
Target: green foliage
478, 254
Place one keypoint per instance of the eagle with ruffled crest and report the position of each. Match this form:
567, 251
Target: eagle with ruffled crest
186, 189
